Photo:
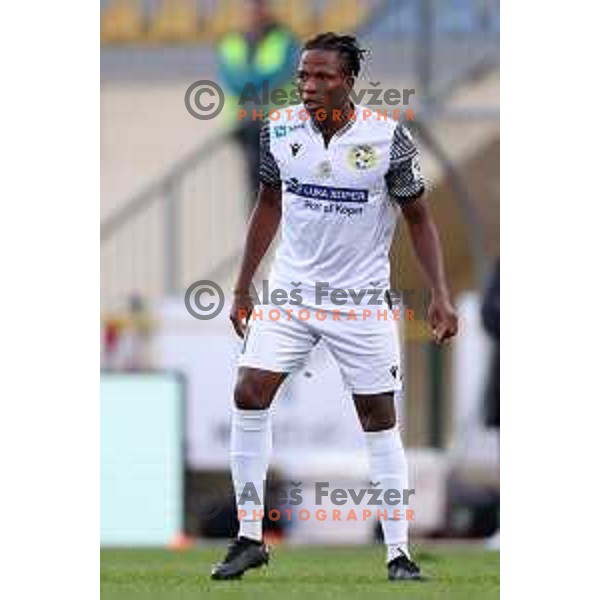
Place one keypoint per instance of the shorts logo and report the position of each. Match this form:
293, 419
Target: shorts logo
394, 371
362, 157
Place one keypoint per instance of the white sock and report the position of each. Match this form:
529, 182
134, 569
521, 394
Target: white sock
249, 453
388, 466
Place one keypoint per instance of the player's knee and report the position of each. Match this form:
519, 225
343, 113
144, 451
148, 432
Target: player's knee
376, 416
378, 422
249, 394
376, 412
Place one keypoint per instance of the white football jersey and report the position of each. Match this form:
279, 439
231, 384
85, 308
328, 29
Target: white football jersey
338, 213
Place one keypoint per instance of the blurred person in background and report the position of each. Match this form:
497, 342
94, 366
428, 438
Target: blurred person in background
490, 313
262, 54
126, 338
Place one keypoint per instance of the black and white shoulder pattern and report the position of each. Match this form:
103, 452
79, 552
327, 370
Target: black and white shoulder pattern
404, 180
269, 169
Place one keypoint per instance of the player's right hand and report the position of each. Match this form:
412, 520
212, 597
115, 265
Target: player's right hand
241, 309
442, 319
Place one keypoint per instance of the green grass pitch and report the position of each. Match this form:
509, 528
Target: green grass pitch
452, 572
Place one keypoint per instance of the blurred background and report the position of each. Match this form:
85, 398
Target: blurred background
176, 193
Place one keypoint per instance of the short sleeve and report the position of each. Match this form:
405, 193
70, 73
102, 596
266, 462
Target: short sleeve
269, 169
404, 180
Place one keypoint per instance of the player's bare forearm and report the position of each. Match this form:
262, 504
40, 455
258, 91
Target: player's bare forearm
262, 228
426, 243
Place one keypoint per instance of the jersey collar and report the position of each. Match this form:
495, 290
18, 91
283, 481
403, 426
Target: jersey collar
351, 122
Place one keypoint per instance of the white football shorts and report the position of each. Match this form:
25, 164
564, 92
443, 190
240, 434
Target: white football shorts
366, 348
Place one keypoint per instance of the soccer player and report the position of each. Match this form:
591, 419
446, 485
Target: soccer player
336, 182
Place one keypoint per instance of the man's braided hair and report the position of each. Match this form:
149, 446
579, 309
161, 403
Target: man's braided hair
346, 45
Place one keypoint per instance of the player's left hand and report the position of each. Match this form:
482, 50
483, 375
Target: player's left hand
442, 319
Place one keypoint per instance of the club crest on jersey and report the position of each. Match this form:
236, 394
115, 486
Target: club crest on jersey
362, 157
